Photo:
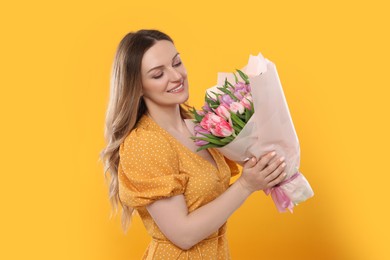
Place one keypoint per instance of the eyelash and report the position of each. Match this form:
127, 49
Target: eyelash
159, 76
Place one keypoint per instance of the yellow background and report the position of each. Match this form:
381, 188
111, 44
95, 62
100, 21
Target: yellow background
333, 62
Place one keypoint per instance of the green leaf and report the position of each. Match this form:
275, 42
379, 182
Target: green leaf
208, 96
198, 117
243, 76
210, 140
215, 137
211, 136
193, 110
236, 128
247, 115
223, 88
230, 84
237, 120
207, 146
235, 77
226, 91
241, 116
227, 139
216, 95
226, 82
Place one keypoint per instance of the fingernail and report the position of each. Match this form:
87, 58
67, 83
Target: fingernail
273, 153
284, 174
283, 164
281, 159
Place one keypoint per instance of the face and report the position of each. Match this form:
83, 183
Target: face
164, 77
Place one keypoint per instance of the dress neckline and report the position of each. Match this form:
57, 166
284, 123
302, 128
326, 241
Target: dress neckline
210, 150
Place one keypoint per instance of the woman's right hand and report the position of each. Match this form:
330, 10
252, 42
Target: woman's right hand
262, 174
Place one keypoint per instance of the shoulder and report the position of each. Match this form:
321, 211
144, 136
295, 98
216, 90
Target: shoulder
145, 140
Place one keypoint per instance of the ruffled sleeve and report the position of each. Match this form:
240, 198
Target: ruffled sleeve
148, 169
233, 167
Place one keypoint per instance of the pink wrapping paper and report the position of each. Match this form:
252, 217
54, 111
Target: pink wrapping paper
269, 129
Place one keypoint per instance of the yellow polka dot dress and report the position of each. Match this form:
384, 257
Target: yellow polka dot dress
154, 165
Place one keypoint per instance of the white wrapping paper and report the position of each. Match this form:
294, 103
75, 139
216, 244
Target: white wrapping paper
269, 129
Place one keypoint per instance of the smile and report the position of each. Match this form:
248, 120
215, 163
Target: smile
177, 89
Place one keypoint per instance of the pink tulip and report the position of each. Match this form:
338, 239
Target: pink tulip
237, 107
249, 97
200, 130
246, 101
200, 112
199, 142
209, 120
240, 86
206, 107
239, 94
223, 129
223, 112
225, 100
216, 125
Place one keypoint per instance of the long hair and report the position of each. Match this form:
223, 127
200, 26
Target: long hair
126, 106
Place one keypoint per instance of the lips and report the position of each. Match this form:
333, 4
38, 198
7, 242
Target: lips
176, 89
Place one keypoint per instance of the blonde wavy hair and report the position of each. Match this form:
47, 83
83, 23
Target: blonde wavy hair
126, 106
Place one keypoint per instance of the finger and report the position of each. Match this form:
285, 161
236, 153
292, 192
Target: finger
261, 164
276, 173
278, 180
273, 166
250, 163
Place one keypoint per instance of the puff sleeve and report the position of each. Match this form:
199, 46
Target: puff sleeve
233, 167
148, 169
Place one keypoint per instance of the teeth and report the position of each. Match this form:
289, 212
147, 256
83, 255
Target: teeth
176, 89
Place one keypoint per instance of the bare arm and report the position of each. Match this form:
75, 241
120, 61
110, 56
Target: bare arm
185, 230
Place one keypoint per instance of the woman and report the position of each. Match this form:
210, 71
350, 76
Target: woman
182, 196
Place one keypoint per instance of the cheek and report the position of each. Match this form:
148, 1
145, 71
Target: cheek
153, 86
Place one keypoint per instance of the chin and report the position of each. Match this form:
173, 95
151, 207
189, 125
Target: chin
183, 100
183, 97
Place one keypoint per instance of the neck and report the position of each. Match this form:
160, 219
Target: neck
168, 118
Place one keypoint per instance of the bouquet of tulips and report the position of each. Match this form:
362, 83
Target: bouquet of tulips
249, 118
224, 114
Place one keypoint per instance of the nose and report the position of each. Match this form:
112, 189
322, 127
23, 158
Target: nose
175, 75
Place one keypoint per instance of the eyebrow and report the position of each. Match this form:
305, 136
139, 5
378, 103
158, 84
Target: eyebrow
162, 65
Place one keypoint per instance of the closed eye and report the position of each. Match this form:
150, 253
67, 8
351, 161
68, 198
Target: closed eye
177, 64
159, 76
